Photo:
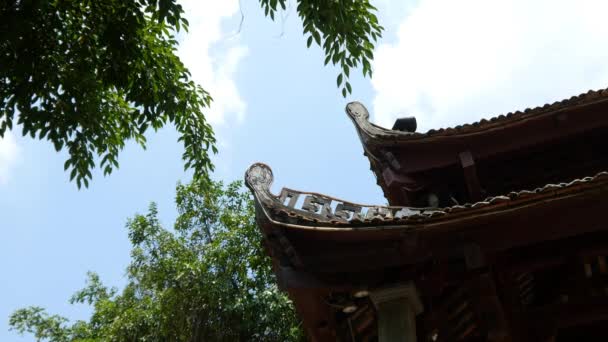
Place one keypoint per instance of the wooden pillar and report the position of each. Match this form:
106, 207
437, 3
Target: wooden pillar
397, 307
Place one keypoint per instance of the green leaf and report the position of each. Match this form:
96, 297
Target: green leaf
349, 29
317, 37
73, 173
339, 80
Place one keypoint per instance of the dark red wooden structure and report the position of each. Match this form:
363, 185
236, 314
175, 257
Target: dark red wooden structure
495, 232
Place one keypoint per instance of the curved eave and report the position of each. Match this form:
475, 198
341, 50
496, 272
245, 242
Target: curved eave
329, 241
297, 210
372, 134
395, 156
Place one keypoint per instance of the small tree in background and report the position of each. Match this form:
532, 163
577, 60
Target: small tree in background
206, 280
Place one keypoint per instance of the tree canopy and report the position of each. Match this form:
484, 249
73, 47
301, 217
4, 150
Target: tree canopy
208, 279
90, 75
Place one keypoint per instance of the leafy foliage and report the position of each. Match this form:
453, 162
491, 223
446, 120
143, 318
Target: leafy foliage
89, 75
346, 30
208, 280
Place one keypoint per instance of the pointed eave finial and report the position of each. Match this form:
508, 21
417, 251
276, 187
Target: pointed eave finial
357, 111
368, 132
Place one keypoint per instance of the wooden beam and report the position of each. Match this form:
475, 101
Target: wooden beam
489, 308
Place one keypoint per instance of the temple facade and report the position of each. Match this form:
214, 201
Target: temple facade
494, 232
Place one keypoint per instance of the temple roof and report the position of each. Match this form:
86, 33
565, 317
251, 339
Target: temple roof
512, 198
326, 250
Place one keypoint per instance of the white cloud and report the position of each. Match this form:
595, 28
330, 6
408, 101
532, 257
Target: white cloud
458, 61
8, 156
212, 55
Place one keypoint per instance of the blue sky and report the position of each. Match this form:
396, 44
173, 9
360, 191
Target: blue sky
443, 61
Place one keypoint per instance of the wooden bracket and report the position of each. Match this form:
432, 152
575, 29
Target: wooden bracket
470, 175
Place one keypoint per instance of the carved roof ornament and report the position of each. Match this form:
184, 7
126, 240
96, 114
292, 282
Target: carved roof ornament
259, 177
316, 211
292, 205
367, 130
